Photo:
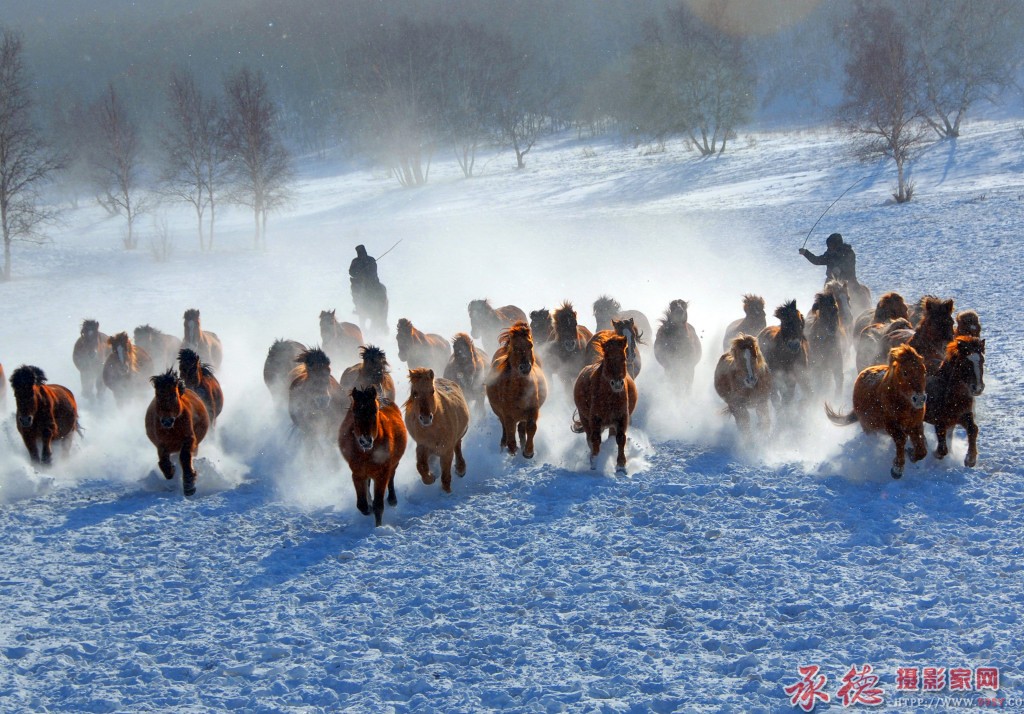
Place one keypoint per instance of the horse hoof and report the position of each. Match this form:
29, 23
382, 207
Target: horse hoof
189, 491
621, 470
392, 500
527, 454
970, 461
896, 472
428, 479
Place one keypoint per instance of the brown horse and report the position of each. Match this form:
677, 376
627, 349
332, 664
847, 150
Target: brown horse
160, 346
743, 380
278, 366
951, 393
566, 354
623, 327
784, 347
875, 341
372, 371
468, 368
542, 327
605, 397
487, 323
437, 417
199, 377
607, 309
752, 322
677, 346
45, 412
891, 398
516, 388
372, 439
419, 349
176, 422
891, 306
315, 401
89, 355
205, 344
126, 368
968, 323
934, 331
825, 342
840, 290
341, 340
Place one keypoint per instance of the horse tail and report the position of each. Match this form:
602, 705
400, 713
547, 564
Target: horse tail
840, 419
577, 425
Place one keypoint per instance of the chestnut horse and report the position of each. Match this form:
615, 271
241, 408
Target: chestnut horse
161, 347
677, 346
951, 393
372, 371
752, 322
566, 355
199, 377
341, 340
468, 368
45, 412
205, 344
968, 323
89, 355
826, 339
487, 323
126, 369
607, 309
891, 306
934, 331
315, 402
784, 347
891, 398
875, 341
419, 349
372, 439
605, 397
278, 366
437, 417
743, 380
516, 388
176, 422
623, 327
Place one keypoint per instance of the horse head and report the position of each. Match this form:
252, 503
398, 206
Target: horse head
365, 408
677, 313
421, 395
542, 325
613, 362
520, 347
192, 326
24, 381
404, 338
168, 388
375, 362
316, 366
122, 348
826, 309
328, 323
192, 368
747, 354
891, 306
566, 327
626, 328
90, 330
969, 354
907, 371
753, 306
605, 308
792, 323
481, 314
968, 322
937, 317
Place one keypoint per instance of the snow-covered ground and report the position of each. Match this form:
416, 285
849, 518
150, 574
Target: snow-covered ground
701, 581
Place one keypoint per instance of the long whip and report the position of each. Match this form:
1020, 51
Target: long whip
808, 236
390, 249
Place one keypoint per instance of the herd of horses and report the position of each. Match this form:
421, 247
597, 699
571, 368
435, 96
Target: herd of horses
917, 363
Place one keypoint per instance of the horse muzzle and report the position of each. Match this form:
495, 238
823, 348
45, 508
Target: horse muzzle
569, 345
365, 443
524, 368
977, 389
167, 422
25, 421
750, 382
426, 419
794, 345
322, 402
918, 400
617, 385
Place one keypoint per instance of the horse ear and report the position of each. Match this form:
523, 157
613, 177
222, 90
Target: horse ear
430, 373
982, 343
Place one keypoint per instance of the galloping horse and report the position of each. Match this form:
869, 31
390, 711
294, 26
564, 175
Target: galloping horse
419, 349
176, 422
199, 377
278, 366
968, 323
315, 402
205, 344
891, 398
891, 306
607, 309
90, 353
825, 341
372, 439
566, 354
752, 322
341, 340
605, 397
623, 327
677, 346
743, 380
934, 331
437, 417
875, 341
784, 347
467, 368
486, 322
162, 348
951, 393
45, 412
126, 368
840, 290
542, 327
371, 371
516, 388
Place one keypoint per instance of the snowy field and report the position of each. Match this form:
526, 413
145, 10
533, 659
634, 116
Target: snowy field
700, 581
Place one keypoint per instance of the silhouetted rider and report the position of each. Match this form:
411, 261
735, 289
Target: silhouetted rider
839, 259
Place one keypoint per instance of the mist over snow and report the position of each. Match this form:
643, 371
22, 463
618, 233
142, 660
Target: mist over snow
699, 581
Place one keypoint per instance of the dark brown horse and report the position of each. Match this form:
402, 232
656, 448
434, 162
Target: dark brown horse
784, 347
45, 413
826, 339
677, 346
891, 398
315, 402
372, 370
127, 368
372, 439
743, 381
542, 327
607, 309
278, 366
516, 388
840, 290
605, 397
204, 343
874, 341
160, 346
968, 323
341, 340
176, 422
486, 322
752, 322
623, 327
566, 355
951, 393
468, 368
420, 349
436, 417
199, 377
90, 353
933, 332
891, 306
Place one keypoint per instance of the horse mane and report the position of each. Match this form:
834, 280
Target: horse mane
614, 341
606, 303
900, 353
823, 300
476, 307
744, 341
312, 358
167, 379
405, 326
751, 301
190, 358
786, 310
953, 348
90, 326
371, 353
464, 339
638, 335
968, 322
192, 314
519, 328
674, 307
890, 306
27, 376
147, 330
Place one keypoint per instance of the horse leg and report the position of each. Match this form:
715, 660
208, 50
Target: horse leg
379, 488
521, 429
531, 429
392, 496
164, 462
446, 470
917, 440
508, 435
47, 437
742, 417
359, 481
30, 443
188, 471
620, 441
423, 464
940, 434
460, 462
593, 431
972, 439
900, 439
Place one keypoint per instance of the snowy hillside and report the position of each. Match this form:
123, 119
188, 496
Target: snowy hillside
701, 581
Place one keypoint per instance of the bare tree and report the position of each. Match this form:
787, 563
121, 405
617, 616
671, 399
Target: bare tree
882, 91
26, 163
524, 105
194, 160
260, 165
115, 162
